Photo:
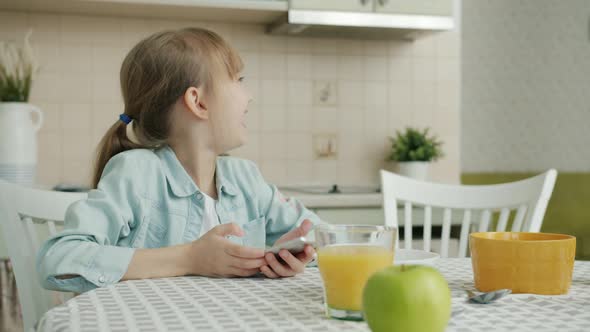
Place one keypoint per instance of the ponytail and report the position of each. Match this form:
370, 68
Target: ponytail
113, 142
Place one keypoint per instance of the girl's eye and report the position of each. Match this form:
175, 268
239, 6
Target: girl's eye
241, 79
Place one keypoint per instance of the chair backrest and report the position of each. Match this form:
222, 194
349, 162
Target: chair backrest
25, 214
528, 198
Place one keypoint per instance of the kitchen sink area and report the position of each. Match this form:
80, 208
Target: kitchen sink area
316, 196
332, 189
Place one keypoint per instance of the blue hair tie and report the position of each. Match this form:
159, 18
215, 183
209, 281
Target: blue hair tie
125, 118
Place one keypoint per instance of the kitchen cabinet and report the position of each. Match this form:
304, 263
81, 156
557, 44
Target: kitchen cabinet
361, 19
375, 216
336, 5
365, 19
356, 216
415, 7
246, 11
401, 7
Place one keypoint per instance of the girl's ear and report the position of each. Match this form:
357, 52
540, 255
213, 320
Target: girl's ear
194, 101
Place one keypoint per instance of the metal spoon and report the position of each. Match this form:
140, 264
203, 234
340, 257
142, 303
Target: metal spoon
486, 297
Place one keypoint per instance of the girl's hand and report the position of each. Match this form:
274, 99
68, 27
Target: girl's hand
292, 264
215, 256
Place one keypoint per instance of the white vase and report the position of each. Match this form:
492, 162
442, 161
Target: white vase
18, 142
414, 169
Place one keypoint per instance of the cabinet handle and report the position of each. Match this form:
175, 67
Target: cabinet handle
382, 2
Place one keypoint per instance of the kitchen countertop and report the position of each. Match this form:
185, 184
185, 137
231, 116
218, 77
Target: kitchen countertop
315, 201
338, 203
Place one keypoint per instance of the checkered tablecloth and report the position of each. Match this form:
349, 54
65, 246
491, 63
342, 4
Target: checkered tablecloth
295, 304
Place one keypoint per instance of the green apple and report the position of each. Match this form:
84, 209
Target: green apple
407, 298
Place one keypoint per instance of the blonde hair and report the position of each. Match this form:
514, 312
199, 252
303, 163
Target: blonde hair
154, 75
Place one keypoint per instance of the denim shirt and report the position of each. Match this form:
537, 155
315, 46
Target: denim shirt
146, 199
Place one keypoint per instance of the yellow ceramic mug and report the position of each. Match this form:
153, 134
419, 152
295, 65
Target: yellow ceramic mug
537, 263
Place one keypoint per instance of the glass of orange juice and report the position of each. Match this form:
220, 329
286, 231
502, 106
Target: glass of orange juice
347, 256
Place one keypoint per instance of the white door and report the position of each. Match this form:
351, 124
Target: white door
415, 7
335, 5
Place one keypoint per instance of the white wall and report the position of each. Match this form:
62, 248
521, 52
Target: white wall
381, 86
526, 85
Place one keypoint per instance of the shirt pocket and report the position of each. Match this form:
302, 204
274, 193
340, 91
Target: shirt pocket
254, 233
161, 226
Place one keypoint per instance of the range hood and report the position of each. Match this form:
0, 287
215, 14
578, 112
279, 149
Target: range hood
365, 25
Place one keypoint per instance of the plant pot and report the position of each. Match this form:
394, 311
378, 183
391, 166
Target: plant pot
18, 142
414, 169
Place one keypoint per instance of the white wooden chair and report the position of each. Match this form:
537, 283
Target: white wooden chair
25, 213
529, 198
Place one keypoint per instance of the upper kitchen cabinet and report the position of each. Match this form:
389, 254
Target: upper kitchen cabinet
365, 19
401, 7
336, 5
361, 19
415, 7
247, 11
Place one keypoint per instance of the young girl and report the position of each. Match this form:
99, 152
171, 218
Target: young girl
166, 204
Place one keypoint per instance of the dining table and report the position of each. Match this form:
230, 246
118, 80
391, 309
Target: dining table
196, 303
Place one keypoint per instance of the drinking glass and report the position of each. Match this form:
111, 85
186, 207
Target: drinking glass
347, 256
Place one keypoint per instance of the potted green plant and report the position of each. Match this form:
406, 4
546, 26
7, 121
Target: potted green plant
413, 150
18, 131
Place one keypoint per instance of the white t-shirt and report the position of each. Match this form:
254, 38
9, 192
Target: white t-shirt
210, 217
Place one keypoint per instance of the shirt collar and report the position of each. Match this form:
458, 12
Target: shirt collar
223, 184
181, 184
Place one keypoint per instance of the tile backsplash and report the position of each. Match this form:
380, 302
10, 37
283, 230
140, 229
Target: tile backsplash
353, 93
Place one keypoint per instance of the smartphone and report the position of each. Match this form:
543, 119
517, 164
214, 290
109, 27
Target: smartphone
294, 246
